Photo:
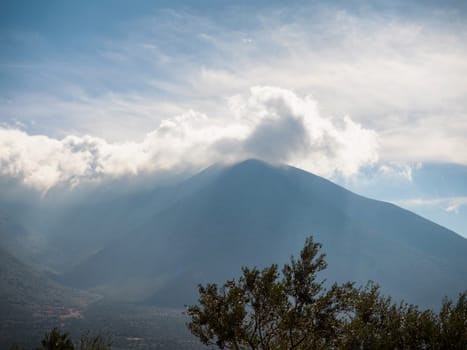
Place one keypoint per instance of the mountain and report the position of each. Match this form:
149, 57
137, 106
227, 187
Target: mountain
31, 302
27, 290
89, 218
17, 239
253, 213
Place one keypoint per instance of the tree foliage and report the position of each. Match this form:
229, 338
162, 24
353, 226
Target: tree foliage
56, 340
91, 341
291, 309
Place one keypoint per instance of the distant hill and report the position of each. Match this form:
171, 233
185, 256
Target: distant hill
31, 302
16, 239
25, 292
254, 213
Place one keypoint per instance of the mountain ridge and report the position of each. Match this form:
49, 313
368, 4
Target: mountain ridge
254, 213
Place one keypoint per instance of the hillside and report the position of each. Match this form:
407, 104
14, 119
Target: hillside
253, 213
31, 303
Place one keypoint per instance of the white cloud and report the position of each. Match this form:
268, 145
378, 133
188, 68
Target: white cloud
400, 75
403, 171
270, 123
290, 129
448, 204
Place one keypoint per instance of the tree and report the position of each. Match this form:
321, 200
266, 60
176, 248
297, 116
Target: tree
55, 340
291, 309
89, 341
268, 310
453, 324
378, 323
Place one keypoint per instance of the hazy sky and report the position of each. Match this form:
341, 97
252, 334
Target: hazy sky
371, 95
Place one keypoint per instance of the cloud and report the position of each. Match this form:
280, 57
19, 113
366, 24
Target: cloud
398, 73
403, 171
290, 129
448, 204
269, 123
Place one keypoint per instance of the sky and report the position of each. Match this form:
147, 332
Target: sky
371, 95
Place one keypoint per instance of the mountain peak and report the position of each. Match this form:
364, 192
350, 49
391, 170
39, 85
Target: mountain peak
251, 164
256, 213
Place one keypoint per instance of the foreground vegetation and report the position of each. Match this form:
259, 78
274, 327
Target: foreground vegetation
130, 325
292, 309
58, 340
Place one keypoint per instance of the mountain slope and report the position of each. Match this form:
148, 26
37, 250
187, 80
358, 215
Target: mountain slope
31, 303
26, 289
16, 239
256, 214
95, 216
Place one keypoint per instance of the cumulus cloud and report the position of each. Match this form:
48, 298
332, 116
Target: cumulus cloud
269, 123
399, 74
289, 128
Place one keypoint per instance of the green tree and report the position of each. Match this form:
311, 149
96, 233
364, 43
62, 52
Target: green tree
453, 324
378, 323
89, 341
55, 340
268, 310
291, 309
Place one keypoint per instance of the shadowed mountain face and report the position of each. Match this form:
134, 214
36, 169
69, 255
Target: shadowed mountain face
104, 215
256, 214
31, 302
26, 293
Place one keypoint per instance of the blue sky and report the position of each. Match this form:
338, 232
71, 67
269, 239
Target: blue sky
368, 94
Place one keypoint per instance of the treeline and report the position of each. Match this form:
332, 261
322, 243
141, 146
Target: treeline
291, 309
59, 340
